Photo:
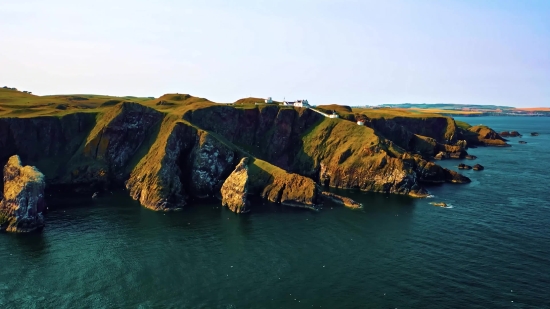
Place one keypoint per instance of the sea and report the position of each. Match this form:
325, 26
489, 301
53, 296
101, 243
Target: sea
490, 248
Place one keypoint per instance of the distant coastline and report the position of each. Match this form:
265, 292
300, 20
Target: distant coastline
468, 110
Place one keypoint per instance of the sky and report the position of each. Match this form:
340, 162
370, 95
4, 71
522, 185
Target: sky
353, 52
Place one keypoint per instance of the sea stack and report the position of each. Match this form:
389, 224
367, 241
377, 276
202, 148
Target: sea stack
23, 198
234, 190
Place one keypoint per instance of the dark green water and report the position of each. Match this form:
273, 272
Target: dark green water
490, 250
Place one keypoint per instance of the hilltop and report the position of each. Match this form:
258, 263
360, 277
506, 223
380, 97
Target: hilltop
170, 150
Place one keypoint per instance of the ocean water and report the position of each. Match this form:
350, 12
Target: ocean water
491, 249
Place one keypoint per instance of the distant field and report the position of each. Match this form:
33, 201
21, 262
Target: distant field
534, 109
443, 111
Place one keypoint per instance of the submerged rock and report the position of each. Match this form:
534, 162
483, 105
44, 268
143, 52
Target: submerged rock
470, 157
346, 201
23, 199
522, 142
234, 190
534, 134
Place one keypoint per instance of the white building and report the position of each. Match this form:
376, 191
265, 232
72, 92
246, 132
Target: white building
298, 103
361, 123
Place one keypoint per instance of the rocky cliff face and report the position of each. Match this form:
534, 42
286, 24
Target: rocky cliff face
183, 162
23, 198
105, 154
83, 149
235, 189
270, 133
211, 161
401, 129
165, 159
38, 139
426, 136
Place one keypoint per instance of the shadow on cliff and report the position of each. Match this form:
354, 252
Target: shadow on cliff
143, 150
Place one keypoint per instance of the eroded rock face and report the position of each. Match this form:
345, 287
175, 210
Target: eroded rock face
255, 177
113, 142
183, 162
212, 161
293, 190
234, 190
157, 180
23, 198
429, 172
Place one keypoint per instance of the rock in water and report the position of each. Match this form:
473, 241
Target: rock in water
463, 166
441, 156
346, 201
522, 142
478, 167
23, 203
534, 134
235, 189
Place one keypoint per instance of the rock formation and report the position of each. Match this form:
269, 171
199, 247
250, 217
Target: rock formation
478, 167
463, 166
23, 198
346, 201
484, 136
259, 178
510, 134
234, 190
168, 154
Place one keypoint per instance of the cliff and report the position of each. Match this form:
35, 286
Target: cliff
183, 161
171, 150
22, 201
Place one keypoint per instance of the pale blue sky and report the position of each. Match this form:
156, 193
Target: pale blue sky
352, 52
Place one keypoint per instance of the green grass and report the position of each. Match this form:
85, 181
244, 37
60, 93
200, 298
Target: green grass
336, 139
463, 125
